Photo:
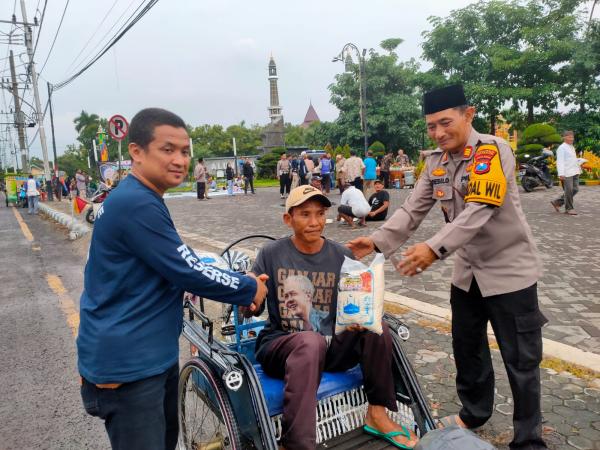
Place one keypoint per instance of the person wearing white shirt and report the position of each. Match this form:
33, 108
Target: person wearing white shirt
568, 169
33, 195
353, 204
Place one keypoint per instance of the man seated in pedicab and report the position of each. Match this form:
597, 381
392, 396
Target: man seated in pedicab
298, 343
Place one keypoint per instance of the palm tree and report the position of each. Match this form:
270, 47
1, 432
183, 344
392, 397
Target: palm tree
86, 126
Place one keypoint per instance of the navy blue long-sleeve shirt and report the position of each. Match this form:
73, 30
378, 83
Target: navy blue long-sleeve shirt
138, 268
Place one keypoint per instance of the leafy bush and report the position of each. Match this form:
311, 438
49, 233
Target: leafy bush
267, 164
535, 138
377, 148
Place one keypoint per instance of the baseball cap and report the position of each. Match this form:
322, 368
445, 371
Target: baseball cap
301, 194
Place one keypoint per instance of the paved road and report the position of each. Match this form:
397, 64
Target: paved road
569, 246
40, 406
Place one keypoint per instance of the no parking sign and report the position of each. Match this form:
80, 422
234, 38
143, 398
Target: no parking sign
118, 127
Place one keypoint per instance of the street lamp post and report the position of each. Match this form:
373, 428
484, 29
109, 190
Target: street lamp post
362, 84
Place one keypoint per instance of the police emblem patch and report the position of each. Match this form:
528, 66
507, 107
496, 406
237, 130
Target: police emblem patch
467, 152
483, 160
439, 193
438, 172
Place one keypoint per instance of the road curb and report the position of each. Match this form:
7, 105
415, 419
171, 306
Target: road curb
76, 227
552, 349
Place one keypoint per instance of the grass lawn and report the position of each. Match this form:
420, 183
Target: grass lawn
258, 182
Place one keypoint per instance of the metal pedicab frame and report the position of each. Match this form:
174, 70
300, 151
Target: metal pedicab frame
239, 408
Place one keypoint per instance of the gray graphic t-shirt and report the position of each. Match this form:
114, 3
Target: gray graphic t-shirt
302, 288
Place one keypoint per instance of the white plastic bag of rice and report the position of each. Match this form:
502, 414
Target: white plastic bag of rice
360, 295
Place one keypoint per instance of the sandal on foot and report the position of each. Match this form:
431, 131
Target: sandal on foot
449, 421
389, 437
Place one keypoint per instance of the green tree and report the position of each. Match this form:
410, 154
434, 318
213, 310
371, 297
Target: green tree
294, 135
504, 51
267, 164
393, 101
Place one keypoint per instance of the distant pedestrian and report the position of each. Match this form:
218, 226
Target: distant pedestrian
33, 195
294, 165
305, 167
354, 168
568, 171
80, 183
370, 174
384, 172
340, 171
200, 173
248, 172
325, 168
229, 175
283, 175
403, 158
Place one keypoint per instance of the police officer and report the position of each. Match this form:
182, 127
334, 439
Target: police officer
496, 268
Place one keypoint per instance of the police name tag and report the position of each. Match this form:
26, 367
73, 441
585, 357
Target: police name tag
487, 183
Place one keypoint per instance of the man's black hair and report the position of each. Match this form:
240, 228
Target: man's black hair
30, 175
141, 129
352, 152
200, 160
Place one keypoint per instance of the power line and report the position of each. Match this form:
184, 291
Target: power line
96, 30
55, 35
37, 40
125, 28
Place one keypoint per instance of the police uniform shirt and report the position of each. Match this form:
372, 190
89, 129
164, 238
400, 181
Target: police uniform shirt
494, 244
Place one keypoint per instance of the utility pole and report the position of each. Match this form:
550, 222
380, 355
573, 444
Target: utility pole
18, 115
36, 94
52, 128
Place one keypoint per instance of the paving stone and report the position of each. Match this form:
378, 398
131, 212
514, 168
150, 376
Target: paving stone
575, 404
580, 443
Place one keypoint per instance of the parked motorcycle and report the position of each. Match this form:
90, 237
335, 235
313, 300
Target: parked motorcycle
535, 172
96, 200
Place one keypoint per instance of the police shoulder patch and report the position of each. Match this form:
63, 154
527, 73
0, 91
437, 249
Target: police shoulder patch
487, 183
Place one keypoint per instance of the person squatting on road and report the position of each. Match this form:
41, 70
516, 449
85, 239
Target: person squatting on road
298, 343
496, 265
131, 307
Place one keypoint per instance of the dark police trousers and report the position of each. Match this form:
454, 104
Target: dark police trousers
141, 415
517, 321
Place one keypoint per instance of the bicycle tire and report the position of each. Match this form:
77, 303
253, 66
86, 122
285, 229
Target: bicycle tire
198, 380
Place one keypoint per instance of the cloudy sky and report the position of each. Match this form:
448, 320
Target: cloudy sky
207, 59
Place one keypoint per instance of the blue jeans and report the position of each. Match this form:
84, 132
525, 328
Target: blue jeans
33, 204
141, 415
230, 187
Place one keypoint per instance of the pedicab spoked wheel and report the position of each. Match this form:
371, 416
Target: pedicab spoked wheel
90, 216
206, 420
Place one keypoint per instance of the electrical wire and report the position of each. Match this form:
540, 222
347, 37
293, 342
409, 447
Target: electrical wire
39, 32
95, 31
55, 36
101, 40
125, 28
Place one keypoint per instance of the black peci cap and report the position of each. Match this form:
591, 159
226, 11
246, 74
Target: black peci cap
444, 98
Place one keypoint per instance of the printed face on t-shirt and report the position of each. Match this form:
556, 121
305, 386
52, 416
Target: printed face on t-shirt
304, 298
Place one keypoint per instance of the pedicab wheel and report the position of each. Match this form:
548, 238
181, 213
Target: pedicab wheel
206, 420
89, 216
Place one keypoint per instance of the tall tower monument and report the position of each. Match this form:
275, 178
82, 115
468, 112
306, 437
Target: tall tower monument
274, 133
274, 108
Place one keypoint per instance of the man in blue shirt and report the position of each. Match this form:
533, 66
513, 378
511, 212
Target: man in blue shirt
370, 173
131, 305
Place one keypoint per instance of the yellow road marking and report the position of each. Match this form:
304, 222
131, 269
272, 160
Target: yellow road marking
23, 225
66, 303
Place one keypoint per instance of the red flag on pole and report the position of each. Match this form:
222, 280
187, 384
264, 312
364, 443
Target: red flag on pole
79, 204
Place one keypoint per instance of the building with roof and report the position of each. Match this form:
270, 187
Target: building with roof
310, 117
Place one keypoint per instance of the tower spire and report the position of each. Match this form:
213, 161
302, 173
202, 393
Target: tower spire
274, 108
